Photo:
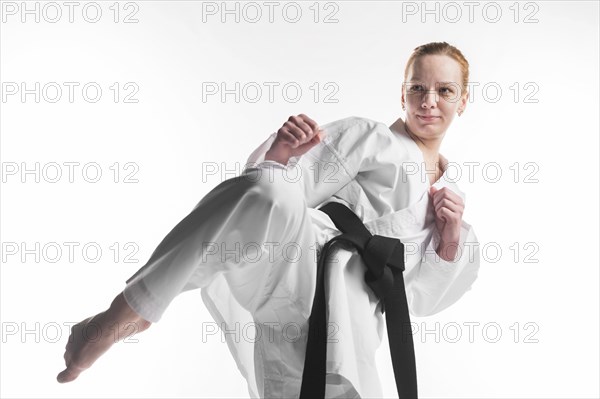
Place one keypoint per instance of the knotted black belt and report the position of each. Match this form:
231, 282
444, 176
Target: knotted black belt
384, 257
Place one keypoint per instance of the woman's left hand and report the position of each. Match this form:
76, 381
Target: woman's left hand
448, 209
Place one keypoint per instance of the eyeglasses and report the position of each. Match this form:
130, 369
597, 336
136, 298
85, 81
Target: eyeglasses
449, 91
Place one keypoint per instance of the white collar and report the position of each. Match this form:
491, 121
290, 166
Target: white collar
398, 127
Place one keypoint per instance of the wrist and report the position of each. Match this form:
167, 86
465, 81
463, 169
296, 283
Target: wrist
447, 250
277, 157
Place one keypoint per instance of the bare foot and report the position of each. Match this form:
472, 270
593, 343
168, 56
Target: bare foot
87, 342
91, 337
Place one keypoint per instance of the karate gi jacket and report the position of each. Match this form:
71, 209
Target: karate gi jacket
379, 173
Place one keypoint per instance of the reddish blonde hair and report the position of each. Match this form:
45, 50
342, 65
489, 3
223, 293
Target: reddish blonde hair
440, 48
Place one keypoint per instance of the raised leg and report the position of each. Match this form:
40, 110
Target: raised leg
240, 216
262, 205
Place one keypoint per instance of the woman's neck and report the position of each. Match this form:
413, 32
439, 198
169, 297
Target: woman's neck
429, 148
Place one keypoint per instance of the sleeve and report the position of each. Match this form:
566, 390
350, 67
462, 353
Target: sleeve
440, 283
349, 146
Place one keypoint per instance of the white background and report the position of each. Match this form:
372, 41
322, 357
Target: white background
170, 133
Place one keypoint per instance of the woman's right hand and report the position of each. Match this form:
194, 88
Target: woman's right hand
297, 136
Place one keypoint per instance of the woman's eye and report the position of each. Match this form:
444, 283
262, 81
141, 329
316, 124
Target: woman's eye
415, 88
447, 92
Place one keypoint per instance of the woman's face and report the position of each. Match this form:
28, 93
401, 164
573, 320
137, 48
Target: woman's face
432, 95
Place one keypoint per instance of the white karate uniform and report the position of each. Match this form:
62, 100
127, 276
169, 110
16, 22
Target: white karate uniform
376, 170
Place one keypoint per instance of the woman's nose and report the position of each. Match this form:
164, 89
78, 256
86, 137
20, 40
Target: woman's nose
430, 99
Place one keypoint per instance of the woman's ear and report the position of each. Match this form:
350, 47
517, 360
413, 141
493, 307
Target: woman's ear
402, 93
464, 101
402, 101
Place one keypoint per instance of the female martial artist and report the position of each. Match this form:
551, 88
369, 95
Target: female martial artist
252, 243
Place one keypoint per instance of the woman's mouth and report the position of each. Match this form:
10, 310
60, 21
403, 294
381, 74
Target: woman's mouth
427, 118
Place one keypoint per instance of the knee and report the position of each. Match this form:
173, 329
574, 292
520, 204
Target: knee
278, 188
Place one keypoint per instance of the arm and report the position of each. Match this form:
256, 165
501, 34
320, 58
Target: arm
92, 337
349, 146
439, 283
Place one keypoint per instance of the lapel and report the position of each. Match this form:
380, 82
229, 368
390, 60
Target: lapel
416, 219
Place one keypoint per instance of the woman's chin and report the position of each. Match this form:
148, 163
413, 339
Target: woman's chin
429, 131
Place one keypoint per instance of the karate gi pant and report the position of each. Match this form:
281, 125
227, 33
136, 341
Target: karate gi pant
254, 239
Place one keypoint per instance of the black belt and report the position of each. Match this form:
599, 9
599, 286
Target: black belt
384, 257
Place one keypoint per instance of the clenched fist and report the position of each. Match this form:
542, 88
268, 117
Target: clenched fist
449, 209
297, 135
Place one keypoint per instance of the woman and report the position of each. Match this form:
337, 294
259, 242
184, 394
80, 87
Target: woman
391, 178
